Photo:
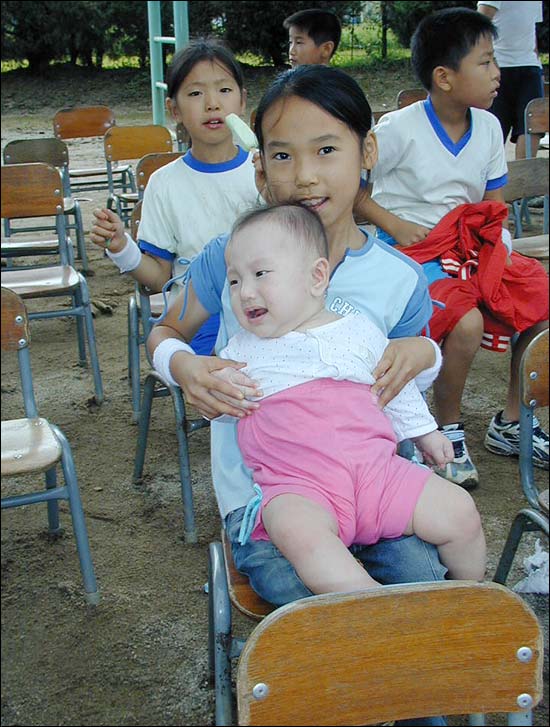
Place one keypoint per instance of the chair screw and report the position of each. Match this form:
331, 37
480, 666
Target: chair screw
525, 701
19, 320
22, 342
260, 691
524, 654
533, 375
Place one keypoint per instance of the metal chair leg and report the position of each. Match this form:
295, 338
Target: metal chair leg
219, 637
143, 426
90, 334
52, 505
525, 521
190, 531
79, 523
134, 364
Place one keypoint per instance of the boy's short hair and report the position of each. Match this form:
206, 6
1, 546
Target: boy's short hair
444, 38
320, 25
297, 220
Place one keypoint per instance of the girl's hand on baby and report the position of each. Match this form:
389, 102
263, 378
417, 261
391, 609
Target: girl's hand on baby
436, 448
402, 360
210, 394
108, 230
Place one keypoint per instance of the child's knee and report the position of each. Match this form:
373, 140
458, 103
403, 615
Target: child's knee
467, 520
470, 327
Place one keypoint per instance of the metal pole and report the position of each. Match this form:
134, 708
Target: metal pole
155, 52
181, 23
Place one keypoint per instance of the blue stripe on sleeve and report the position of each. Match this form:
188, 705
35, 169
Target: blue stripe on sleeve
208, 273
417, 313
496, 183
155, 251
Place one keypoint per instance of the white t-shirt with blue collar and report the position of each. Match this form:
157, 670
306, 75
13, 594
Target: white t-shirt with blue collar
188, 202
421, 174
376, 280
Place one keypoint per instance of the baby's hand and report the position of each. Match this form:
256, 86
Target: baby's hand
409, 233
108, 230
436, 448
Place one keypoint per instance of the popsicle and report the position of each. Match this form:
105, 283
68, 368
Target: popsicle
242, 133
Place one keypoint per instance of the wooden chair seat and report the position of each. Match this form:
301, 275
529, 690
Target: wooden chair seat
40, 282
242, 595
98, 170
128, 196
156, 302
543, 500
28, 445
536, 246
14, 248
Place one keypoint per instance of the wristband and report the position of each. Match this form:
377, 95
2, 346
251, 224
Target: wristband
128, 258
507, 240
163, 354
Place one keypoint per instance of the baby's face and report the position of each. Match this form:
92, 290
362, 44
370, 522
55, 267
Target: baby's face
270, 280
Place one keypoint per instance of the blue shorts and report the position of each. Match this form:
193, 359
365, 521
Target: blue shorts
204, 339
518, 86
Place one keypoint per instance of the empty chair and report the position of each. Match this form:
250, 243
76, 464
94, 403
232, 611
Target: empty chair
33, 446
408, 96
536, 123
125, 143
533, 395
35, 190
55, 152
83, 122
527, 178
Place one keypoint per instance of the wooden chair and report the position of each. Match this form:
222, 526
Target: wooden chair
536, 123
149, 164
125, 143
84, 122
533, 395
32, 446
528, 178
408, 96
373, 656
55, 152
35, 190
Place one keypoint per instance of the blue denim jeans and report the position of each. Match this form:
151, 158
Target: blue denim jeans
402, 560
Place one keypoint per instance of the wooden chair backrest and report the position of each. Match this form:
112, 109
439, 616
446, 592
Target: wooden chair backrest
534, 372
242, 595
78, 122
182, 136
150, 163
453, 647
536, 116
134, 220
133, 142
50, 151
526, 178
15, 322
408, 96
31, 190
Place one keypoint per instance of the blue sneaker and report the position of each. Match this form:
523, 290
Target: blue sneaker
461, 470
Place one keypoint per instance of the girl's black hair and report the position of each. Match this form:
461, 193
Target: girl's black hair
444, 38
329, 88
201, 49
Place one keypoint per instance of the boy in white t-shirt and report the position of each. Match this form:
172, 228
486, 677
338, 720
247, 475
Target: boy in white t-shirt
519, 63
435, 156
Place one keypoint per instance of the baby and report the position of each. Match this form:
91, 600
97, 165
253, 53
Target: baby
321, 450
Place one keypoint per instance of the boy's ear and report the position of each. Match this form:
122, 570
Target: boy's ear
370, 151
326, 50
441, 78
320, 273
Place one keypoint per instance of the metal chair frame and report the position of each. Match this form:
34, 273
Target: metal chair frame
55, 152
536, 122
15, 336
533, 394
34, 190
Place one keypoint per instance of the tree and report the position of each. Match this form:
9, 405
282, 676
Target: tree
403, 16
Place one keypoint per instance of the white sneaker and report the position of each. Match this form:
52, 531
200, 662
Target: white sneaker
543, 143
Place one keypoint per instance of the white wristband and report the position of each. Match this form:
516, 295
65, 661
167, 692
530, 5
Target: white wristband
507, 240
162, 355
128, 258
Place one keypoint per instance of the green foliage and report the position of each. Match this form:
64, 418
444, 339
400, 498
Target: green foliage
404, 15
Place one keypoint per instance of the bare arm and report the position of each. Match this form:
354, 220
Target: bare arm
209, 394
487, 10
403, 232
108, 233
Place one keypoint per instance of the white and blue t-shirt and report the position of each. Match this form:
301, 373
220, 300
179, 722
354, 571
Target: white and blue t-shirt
375, 280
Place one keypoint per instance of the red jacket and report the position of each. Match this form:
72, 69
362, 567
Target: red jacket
468, 243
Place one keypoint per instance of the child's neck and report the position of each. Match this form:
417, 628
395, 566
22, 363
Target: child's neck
341, 237
320, 318
214, 153
454, 117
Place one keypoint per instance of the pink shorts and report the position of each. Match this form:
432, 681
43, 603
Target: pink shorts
329, 442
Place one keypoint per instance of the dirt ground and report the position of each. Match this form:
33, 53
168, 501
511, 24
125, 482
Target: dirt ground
140, 657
